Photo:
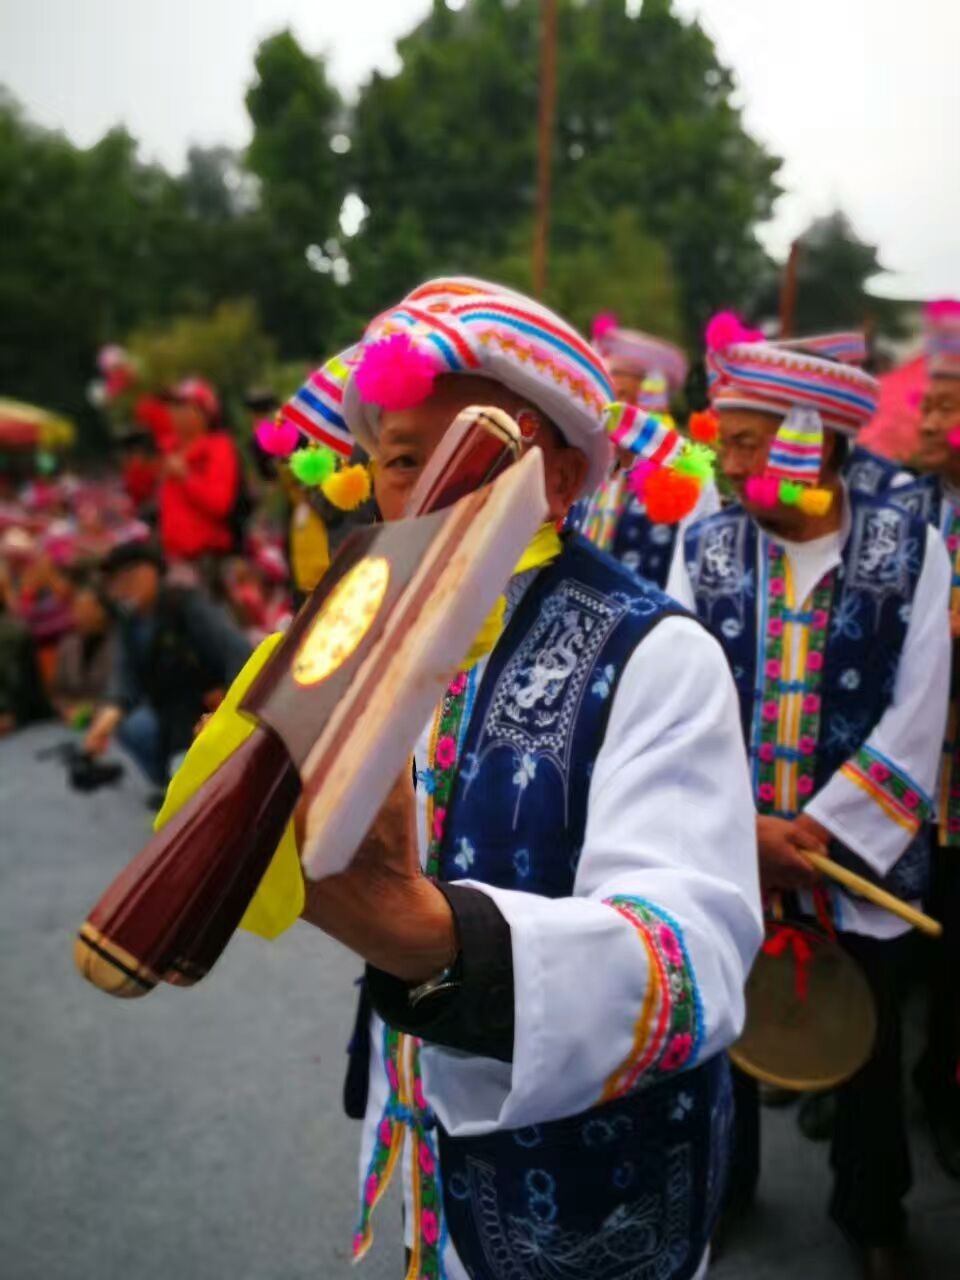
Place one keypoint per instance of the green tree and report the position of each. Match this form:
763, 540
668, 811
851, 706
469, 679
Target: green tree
227, 346
295, 114
834, 271
619, 267
91, 243
646, 122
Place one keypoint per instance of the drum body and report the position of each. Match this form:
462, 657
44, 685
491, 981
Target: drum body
811, 1019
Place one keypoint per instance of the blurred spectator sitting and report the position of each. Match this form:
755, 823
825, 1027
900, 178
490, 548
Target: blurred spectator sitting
201, 484
84, 658
42, 598
257, 590
22, 698
175, 654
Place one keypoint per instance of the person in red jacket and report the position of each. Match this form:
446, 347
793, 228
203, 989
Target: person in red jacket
201, 477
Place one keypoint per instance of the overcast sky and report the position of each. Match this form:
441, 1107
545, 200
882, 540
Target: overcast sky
860, 97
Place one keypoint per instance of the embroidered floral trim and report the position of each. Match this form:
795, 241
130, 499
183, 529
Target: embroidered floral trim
446, 743
406, 1112
429, 1227
669, 1030
894, 791
386, 1148
811, 627
603, 511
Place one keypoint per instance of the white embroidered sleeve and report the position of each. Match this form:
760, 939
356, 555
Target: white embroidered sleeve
641, 972
877, 800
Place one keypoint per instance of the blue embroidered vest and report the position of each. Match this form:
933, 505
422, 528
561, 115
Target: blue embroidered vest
630, 1188
865, 631
640, 545
870, 475
643, 546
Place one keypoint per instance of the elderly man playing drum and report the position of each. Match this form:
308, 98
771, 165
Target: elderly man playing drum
559, 906
831, 610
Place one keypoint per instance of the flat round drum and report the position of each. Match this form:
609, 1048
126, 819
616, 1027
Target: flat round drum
813, 1043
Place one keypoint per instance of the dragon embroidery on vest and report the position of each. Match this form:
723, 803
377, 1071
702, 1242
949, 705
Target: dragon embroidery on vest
534, 705
718, 570
879, 566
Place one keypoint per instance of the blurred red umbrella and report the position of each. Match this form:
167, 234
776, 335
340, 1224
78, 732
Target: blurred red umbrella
26, 426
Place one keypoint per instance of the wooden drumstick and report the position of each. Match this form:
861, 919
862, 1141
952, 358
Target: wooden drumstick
879, 897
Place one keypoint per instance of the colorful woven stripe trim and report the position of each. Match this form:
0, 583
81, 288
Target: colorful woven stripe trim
548, 365
796, 455
316, 409
780, 378
669, 1030
404, 1124
445, 286
452, 345
847, 348
653, 396
643, 434
795, 388
901, 800
561, 339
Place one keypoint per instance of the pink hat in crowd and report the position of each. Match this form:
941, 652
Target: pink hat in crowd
942, 339
198, 392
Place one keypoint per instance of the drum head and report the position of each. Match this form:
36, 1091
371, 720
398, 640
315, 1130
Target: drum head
806, 1044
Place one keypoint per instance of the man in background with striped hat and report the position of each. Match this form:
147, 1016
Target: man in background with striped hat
644, 371
830, 608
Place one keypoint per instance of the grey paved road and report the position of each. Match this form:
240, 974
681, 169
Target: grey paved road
198, 1134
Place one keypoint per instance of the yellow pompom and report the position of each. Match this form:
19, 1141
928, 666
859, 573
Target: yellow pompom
348, 488
815, 502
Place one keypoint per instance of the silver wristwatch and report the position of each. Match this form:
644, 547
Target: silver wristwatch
440, 984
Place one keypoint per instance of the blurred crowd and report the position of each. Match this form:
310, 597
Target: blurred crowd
130, 600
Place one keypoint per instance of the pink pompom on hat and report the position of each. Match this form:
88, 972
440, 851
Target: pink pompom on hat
639, 353
464, 326
746, 372
942, 338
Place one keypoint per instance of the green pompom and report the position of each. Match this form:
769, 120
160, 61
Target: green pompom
696, 461
314, 465
790, 492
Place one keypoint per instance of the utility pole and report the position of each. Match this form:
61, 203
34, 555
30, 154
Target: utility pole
788, 291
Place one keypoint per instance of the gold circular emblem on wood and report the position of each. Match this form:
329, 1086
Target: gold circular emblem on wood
344, 619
